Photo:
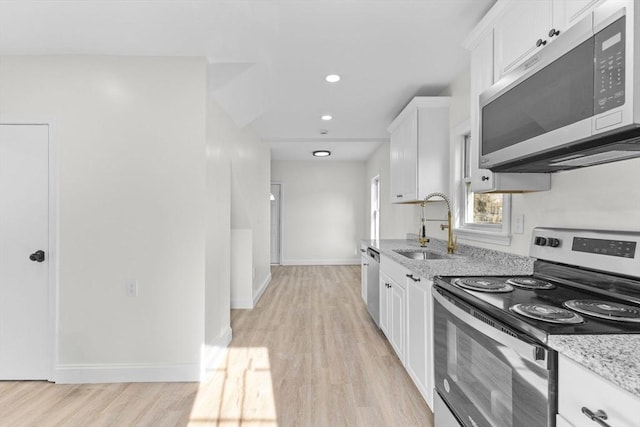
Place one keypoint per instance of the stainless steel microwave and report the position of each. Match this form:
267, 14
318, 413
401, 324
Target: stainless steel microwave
575, 103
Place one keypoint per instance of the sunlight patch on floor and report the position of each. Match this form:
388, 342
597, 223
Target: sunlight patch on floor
239, 393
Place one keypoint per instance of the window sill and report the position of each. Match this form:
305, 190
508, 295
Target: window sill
497, 238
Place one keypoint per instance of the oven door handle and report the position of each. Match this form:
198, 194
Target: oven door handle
524, 347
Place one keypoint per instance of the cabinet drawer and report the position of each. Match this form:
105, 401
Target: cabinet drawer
579, 387
395, 271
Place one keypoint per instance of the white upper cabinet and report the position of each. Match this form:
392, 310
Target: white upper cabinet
482, 77
567, 12
404, 165
511, 32
419, 149
521, 29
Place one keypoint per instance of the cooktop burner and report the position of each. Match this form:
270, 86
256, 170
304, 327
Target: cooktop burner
547, 313
605, 310
483, 284
530, 283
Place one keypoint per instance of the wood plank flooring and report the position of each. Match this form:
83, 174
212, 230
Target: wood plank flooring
307, 355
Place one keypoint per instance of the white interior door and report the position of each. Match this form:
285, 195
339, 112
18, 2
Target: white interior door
275, 224
24, 272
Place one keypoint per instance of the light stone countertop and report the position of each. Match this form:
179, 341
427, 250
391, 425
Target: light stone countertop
467, 261
614, 357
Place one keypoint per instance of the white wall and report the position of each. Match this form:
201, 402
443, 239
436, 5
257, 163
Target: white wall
220, 132
323, 210
250, 216
145, 191
130, 142
599, 197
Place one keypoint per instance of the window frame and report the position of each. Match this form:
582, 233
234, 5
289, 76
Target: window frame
374, 232
487, 233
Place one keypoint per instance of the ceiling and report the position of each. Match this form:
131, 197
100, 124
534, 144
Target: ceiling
268, 58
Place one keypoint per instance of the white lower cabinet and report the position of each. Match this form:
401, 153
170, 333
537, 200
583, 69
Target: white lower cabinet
419, 347
581, 390
392, 321
406, 318
384, 303
392, 304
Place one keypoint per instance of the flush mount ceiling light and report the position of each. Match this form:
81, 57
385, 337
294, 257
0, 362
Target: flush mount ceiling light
322, 153
332, 78
326, 117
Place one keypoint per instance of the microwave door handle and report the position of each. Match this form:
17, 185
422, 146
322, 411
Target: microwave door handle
530, 351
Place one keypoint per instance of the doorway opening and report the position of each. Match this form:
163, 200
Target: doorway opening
276, 223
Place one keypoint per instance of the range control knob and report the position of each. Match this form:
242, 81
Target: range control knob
547, 241
540, 241
554, 243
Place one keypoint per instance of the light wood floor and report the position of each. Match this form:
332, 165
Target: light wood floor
307, 355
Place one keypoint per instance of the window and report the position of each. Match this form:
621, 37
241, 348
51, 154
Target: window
375, 208
483, 210
480, 216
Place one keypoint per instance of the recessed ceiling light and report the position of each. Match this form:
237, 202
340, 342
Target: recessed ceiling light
322, 153
326, 117
332, 78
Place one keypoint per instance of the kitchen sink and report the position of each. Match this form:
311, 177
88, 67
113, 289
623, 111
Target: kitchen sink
423, 255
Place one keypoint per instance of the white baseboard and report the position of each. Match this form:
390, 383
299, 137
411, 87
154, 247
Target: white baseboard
339, 261
247, 303
212, 354
146, 372
127, 373
241, 303
261, 289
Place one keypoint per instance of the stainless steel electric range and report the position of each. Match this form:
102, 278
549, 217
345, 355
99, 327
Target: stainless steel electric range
492, 364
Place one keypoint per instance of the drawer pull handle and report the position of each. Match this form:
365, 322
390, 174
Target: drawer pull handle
599, 416
410, 276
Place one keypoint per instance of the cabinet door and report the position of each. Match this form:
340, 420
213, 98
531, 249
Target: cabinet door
403, 151
395, 164
397, 319
481, 79
522, 24
568, 12
410, 164
384, 304
580, 388
419, 347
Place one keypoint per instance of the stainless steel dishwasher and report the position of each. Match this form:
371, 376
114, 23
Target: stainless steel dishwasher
373, 286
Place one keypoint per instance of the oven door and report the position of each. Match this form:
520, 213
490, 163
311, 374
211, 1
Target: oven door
486, 373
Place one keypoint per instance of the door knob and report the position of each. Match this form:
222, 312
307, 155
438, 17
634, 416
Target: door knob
37, 256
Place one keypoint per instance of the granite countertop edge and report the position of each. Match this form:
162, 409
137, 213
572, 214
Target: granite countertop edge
467, 261
613, 357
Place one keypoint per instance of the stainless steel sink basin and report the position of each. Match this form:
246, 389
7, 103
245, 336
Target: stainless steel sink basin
423, 255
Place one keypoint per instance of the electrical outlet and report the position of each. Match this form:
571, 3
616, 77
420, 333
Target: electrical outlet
518, 224
131, 287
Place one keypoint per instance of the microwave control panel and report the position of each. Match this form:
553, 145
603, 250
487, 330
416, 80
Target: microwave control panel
609, 67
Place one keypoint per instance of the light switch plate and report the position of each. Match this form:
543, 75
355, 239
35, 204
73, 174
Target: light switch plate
518, 224
131, 287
